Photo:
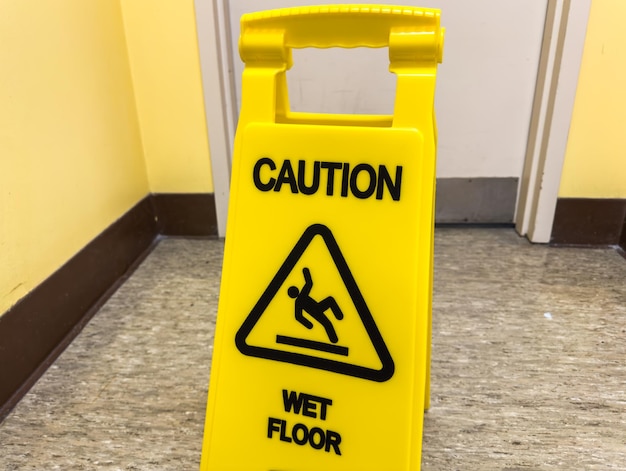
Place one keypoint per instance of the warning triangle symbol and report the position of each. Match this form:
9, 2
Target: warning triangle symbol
313, 314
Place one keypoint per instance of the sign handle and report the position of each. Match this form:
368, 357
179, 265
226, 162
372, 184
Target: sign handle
414, 37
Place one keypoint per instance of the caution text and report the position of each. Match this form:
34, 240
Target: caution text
333, 178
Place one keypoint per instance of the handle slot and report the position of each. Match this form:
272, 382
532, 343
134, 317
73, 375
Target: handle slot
340, 81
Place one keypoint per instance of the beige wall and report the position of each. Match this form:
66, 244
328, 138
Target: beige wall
71, 157
595, 161
165, 66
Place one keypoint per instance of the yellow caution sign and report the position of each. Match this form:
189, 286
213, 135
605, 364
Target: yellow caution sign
321, 355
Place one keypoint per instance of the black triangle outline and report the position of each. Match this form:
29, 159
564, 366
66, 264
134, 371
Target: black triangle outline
388, 367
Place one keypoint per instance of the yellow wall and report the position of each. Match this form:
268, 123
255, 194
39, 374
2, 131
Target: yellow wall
100, 103
71, 160
595, 161
165, 66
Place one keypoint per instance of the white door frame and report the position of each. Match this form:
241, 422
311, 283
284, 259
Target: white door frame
561, 56
219, 99
557, 79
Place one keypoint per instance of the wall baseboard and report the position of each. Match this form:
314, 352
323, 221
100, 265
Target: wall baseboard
476, 200
185, 214
589, 222
36, 330
622, 240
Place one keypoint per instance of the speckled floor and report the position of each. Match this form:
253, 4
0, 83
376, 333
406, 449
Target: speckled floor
528, 371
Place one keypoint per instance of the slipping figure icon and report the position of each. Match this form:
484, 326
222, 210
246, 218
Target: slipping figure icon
316, 309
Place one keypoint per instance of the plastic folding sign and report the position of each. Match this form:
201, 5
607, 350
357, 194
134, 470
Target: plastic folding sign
321, 353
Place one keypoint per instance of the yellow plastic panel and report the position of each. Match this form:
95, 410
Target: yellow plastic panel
321, 352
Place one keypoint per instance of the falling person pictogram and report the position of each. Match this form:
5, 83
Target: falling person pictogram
316, 349
316, 309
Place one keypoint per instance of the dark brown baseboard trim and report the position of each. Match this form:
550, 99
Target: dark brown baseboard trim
622, 240
36, 330
589, 222
191, 214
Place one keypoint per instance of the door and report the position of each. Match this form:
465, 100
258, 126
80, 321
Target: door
484, 100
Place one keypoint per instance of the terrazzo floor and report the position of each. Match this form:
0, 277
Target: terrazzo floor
528, 364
